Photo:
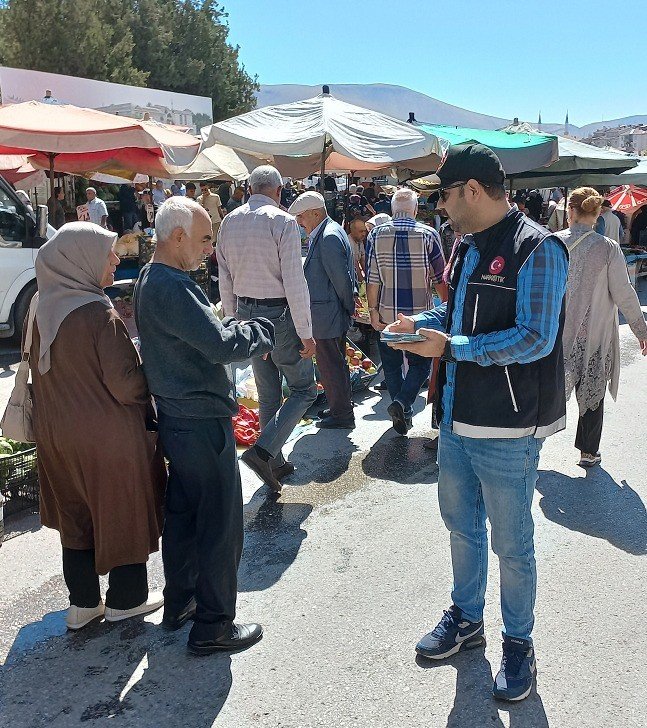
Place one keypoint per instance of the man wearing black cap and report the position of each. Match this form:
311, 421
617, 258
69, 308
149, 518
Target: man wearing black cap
500, 393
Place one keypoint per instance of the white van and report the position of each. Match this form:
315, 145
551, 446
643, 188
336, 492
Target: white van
21, 235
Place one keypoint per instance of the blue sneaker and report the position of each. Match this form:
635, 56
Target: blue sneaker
518, 670
452, 633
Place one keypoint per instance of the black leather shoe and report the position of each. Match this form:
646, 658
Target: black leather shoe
173, 622
262, 468
337, 423
237, 637
401, 422
326, 412
284, 471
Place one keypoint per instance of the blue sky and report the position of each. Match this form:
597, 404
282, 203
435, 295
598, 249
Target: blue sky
493, 56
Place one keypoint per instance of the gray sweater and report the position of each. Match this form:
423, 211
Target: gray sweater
186, 349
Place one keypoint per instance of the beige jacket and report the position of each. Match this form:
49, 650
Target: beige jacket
598, 285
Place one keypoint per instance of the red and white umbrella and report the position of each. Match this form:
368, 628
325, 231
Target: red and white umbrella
627, 198
70, 139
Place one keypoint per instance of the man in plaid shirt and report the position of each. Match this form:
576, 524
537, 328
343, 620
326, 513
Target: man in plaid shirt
403, 259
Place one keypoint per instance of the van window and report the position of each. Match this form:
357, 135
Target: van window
13, 223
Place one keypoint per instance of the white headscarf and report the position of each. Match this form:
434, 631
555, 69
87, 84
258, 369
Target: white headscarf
69, 268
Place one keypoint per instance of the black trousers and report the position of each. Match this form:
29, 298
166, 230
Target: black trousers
589, 430
335, 376
127, 585
202, 539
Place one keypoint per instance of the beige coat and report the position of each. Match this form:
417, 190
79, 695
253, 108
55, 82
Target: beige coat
598, 285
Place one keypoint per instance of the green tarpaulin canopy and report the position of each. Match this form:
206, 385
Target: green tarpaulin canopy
518, 151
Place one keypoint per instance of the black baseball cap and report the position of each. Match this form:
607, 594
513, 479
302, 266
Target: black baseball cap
469, 161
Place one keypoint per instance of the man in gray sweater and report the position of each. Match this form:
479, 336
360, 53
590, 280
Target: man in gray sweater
186, 352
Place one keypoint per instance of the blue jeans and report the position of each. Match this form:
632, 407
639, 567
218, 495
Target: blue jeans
404, 389
277, 417
495, 479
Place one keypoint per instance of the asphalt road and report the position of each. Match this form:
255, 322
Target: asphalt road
346, 572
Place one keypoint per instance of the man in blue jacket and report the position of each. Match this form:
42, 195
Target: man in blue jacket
500, 393
330, 273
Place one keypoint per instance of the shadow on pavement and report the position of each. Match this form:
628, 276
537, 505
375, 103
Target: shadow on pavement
597, 506
320, 457
401, 460
473, 702
273, 536
132, 672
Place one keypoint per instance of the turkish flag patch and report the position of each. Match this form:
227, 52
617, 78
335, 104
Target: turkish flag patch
497, 265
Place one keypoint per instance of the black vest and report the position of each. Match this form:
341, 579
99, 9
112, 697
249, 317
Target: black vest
518, 399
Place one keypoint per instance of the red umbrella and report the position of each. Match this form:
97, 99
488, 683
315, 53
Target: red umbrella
627, 198
70, 139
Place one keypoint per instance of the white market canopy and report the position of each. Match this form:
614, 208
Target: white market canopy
221, 162
296, 135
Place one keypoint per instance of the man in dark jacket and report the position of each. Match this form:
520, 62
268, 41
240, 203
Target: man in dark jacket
330, 273
188, 353
500, 393
128, 206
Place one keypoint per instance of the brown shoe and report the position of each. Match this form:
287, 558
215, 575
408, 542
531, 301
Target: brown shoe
431, 444
262, 468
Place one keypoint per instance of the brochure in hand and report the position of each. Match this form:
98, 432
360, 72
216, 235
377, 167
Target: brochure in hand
389, 337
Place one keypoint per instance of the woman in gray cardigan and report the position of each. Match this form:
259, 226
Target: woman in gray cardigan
598, 285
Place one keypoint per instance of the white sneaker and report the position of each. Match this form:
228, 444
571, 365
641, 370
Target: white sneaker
154, 602
78, 617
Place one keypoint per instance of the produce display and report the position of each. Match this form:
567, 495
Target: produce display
362, 313
13, 447
128, 246
357, 361
247, 426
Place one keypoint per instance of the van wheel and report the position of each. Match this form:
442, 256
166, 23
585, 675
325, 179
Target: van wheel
20, 312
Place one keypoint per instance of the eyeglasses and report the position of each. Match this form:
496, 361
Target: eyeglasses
442, 192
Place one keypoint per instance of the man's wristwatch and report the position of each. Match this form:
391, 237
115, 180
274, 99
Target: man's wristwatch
447, 353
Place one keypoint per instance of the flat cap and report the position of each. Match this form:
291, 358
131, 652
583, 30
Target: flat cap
307, 201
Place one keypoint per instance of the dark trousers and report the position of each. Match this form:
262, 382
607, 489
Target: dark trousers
589, 430
127, 585
335, 376
130, 219
202, 539
403, 388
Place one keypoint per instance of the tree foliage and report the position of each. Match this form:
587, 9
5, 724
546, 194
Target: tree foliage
176, 45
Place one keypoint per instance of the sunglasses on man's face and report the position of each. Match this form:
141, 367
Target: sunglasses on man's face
442, 192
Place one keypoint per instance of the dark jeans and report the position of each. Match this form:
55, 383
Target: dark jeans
279, 417
335, 377
130, 219
127, 585
202, 539
404, 389
589, 430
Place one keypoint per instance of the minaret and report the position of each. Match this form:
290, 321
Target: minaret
566, 124
539, 121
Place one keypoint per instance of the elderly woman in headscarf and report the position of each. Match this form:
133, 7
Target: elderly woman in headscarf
102, 478
598, 285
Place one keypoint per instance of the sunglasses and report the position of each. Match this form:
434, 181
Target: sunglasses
442, 192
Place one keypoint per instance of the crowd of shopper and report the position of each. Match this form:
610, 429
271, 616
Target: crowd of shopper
509, 320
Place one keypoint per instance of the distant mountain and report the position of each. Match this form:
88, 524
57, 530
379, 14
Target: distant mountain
398, 101
395, 101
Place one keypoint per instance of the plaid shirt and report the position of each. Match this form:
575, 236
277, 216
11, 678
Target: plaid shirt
403, 258
541, 285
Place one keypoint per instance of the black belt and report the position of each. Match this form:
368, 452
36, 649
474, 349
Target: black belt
264, 301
